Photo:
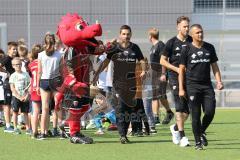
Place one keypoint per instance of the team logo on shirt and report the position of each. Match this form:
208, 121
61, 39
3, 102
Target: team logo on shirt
133, 54
174, 87
191, 98
193, 56
125, 53
200, 53
177, 49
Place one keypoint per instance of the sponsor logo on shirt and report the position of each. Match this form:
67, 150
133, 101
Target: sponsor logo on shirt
194, 56
200, 53
207, 54
133, 54
125, 53
191, 98
200, 61
177, 49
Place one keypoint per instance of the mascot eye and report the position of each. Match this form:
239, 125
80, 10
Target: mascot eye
79, 27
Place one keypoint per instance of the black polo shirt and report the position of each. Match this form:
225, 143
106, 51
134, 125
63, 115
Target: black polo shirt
198, 63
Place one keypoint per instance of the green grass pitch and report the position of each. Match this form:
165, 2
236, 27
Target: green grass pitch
223, 136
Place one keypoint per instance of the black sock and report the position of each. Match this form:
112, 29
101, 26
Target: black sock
182, 134
176, 127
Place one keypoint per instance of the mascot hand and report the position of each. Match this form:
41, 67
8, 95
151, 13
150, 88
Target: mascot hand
58, 99
69, 80
79, 89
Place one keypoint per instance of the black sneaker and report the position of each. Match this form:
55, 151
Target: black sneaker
55, 132
42, 137
169, 116
199, 146
204, 139
124, 140
81, 139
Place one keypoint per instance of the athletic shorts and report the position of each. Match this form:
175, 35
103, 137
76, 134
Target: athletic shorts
35, 97
17, 104
158, 87
7, 96
181, 104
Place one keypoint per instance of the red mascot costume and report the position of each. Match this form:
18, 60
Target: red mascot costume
73, 94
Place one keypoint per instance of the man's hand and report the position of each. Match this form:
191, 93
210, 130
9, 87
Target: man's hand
163, 78
143, 75
219, 85
182, 94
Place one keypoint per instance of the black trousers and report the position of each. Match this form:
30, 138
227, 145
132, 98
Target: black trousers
201, 97
139, 116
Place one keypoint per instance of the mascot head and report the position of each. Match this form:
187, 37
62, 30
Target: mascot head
74, 31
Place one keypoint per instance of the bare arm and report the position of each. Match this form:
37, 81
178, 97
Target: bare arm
14, 92
102, 66
217, 76
164, 62
181, 75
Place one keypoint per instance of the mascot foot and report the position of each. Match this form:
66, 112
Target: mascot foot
81, 139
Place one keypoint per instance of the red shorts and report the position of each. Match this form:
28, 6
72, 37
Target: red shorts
35, 96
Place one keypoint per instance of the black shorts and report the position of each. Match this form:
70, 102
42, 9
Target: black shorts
158, 87
181, 104
201, 95
17, 104
7, 96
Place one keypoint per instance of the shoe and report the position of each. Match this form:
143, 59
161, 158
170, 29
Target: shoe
81, 139
55, 132
168, 118
112, 127
184, 142
204, 139
175, 135
124, 140
99, 132
9, 130
28, 132
153, 130
199, 146
49, 133
17, 131
42, 137
91, 125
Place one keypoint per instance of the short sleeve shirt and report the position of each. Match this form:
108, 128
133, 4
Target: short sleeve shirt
198, 63
20, 81
124, 62
173, 50
155, 54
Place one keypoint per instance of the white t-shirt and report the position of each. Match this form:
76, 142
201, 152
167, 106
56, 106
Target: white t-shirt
109, 76
50, 64
3, 77
21, 81
102, 76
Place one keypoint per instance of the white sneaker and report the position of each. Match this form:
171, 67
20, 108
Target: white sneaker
91, 125
175, 135
184, 142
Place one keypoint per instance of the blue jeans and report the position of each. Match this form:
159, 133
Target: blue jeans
148, 110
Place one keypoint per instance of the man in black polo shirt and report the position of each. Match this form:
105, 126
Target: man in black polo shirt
159, 78
124, 55
196, 62
170, 59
